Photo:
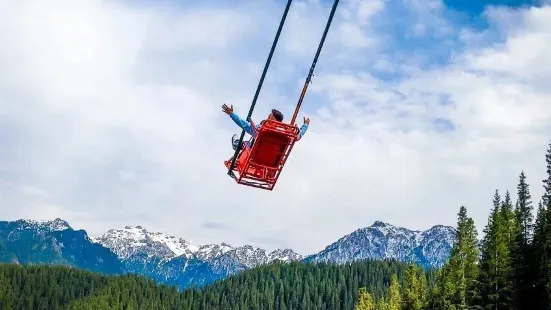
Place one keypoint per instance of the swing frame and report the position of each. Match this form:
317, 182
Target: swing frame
261, 165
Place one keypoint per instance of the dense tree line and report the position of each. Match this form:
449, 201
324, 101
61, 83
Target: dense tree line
412, 293
303, 286
60, 287
274, 286
510, 268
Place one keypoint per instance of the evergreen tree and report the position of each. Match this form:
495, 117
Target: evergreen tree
546, 199
468, 255
541, 246
521, 247
414, 289
508, 229
488, 267
546, 259
365, 301
458, 280
395, 299
495, 277
524, 211
509, 219
541, 235
7, 297
382, 304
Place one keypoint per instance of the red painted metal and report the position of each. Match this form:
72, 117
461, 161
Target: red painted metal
261, 165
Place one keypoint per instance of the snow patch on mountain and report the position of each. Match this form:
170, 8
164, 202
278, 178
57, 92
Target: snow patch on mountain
385, 241
436, 244
211, 251
49, 225
136, 240
285, 255
132, 240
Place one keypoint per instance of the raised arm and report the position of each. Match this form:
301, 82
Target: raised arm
302, 131
238, 120
242, 123
303, 128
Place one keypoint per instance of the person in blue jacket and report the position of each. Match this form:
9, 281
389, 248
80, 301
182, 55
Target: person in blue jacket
245, 125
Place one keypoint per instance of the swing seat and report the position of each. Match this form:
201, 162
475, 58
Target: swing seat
260, 165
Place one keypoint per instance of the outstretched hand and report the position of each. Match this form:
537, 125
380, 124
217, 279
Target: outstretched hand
226, 109
306, 122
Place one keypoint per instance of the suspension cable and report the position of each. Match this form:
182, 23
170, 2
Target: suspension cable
311, 72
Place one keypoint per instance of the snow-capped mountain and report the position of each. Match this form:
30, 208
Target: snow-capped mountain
175, 261
130, 240
135, 240
429, 248
166, 258
244, 257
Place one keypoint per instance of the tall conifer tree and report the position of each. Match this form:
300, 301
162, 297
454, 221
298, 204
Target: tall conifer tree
521, 249
365, 301
414, 289
524, 211
488, 283
509, 219
542, 243
538, 249
496, 285
546, 199
458, 280
395, 298
507, 232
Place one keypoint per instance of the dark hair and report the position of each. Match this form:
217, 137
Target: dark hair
277, 115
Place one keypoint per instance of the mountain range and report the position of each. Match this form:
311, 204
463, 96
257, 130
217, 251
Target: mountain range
175, 261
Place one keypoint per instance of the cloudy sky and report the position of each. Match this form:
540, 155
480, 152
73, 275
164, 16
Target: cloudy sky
110, 113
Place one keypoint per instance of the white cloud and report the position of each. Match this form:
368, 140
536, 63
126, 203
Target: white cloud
110, 115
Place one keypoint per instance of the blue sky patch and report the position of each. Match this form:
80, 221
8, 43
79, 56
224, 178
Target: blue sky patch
443, 125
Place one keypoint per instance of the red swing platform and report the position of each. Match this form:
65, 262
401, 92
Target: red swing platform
261, 165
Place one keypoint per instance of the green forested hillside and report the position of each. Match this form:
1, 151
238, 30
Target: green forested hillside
61, 287
301, 286
275, 286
